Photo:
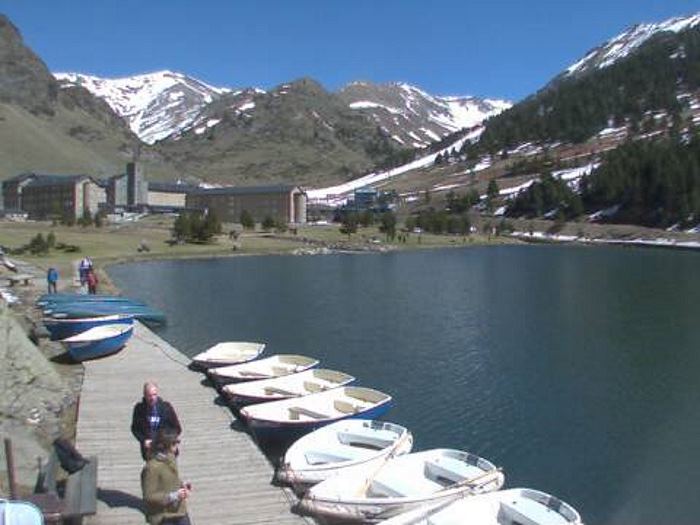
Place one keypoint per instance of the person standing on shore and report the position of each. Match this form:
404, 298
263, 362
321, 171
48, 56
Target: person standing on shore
150, 415
52, 279
164, 493
83, 268
92, 281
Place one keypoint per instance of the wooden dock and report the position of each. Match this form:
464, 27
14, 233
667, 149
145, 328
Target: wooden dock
231, 477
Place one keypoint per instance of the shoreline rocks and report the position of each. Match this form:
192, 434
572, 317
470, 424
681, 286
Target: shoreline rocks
39, 389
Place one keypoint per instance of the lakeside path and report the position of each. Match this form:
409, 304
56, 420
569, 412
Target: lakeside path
230, 475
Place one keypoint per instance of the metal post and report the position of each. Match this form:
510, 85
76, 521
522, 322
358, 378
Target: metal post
9, 458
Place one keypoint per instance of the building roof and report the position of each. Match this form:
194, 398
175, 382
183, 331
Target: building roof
171, 187
21, 177
55, 180
247, 190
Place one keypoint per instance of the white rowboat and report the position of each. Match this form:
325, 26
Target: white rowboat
344, 446
503, 507
292, 385
275, 366
228, 353
402, 484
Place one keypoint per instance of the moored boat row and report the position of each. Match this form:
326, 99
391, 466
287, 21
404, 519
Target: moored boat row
92, 326
80, 306
349, 465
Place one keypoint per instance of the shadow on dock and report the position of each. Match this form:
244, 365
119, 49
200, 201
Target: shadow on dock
118, 498
63, 359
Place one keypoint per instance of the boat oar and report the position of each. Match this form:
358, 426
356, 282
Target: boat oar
474, 480
365, 486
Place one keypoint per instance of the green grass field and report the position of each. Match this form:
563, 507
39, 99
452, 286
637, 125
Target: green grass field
114, 243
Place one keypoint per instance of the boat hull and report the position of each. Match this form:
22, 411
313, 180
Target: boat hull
402, 484
331, 460
283, 387
147, 315
242, 352
370, 510
285, 431
84, 350
242, 373
64, 328
55, 300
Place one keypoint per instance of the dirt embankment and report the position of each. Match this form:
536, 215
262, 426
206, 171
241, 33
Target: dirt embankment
39, 388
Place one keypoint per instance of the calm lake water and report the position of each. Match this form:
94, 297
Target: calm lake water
576, 369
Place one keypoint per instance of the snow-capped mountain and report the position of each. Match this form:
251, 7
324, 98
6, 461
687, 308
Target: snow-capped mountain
414, 118
625, 43
155, 105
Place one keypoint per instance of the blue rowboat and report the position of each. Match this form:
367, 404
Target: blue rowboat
290, 418
142, 313
62, 305
65, 298
98, 341
63, 328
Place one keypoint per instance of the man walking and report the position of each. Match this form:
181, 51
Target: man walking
150, 415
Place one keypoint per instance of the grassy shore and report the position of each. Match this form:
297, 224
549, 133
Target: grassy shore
124, 242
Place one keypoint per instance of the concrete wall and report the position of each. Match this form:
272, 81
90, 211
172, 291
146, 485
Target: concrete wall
285, 207
164, 198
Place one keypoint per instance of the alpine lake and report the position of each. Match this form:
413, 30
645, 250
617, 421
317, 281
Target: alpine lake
576, 369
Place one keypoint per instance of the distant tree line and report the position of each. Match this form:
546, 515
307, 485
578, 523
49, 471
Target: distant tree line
547, 195
439, 222
196, 226
652, 183
42, 245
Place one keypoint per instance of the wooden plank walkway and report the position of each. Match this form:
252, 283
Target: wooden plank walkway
230, 475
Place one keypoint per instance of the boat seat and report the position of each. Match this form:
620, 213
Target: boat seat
271, 390
247, 373
397, 486
528, 512
365, 436
280, 370
297, 412
329, 455
345, 407
446, 470
313, 387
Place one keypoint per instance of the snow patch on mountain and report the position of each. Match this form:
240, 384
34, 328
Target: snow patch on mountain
625, 43
412, 116
339, 194
155, 105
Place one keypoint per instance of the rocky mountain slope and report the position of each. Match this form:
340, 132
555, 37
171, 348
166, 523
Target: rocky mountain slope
613, 138
45, 128
297, 132
415, 118
156, 105
165, 104
627, 42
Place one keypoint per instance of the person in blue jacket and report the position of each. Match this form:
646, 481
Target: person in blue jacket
52, 279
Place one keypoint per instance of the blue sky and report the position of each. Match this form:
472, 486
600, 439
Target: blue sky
497, 48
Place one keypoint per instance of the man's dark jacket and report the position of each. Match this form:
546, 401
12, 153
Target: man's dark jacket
140, 427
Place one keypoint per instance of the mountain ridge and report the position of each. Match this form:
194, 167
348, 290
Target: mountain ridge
164, 104
45, 128
155, 105
628, 41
